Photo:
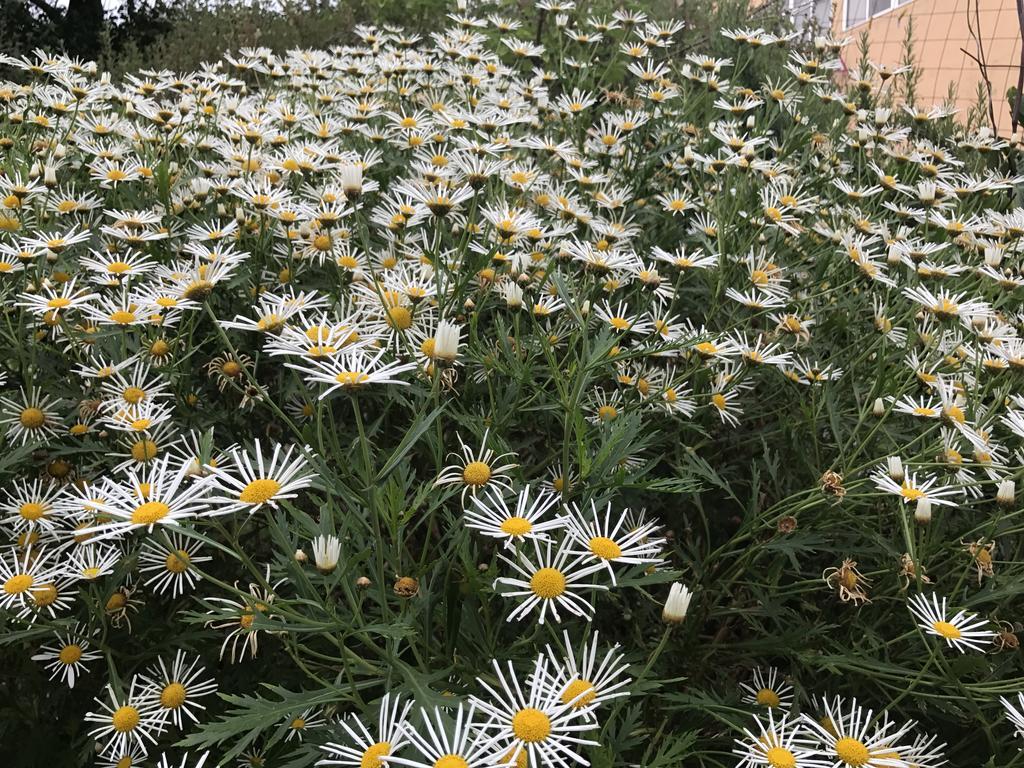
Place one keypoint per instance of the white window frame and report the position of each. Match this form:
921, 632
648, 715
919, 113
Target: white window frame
893, 5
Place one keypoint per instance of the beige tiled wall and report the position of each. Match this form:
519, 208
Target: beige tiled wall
940, 31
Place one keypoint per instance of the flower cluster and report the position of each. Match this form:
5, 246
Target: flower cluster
437, 363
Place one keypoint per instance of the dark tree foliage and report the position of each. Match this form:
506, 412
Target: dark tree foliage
82, 27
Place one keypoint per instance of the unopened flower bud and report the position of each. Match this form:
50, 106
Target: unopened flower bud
677, 604
894, 466
1006, 494
326, 552
923, 511
300, 556
878, 409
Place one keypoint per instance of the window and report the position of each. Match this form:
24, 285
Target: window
856, 12
859, 11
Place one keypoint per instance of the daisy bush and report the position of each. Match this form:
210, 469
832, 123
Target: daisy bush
560, 390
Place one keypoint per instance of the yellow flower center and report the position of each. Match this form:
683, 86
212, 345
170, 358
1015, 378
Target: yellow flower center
259, 491
451, 761
607, 413
531, 725
766, 697
125, 719
70, 654
122, 317
910, 493
780, 757
605, 548
372, 756
400, 318
476, 474
579, 693
32, 418
516, 526
58, 302
144, 451
133, 395
44, 595
149, 513
18, 584
947, 630
548, 583
351, 378
177, 562
173, 696
32, 510
852, 752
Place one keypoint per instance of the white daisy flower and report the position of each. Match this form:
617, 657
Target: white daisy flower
962, 631
550, 581
492, 517
250, 483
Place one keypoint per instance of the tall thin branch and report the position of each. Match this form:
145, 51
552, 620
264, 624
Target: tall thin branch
974, 28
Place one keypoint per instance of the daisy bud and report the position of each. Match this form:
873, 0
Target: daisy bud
1006, 494
49, 176
35, 171
300, 556
894, 257
923, 511
894, 465
677, 604
513, 295
585, 308
878, 409
751, 122
352, 181
446, 342
60, 151
362, 582
326, 552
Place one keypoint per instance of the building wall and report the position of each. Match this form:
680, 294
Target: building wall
940, 31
